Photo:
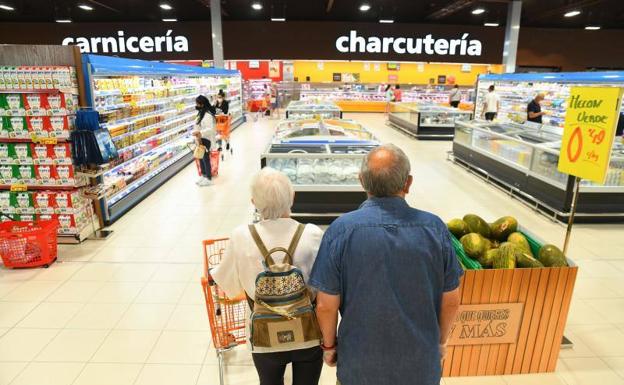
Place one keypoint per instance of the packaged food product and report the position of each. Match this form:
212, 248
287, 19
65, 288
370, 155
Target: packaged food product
25, 174
19, 128
44, 202
45, 175
23, 202
36, 104
15, 105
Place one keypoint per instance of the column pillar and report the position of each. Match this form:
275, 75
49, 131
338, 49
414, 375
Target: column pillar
512, 32
217, 36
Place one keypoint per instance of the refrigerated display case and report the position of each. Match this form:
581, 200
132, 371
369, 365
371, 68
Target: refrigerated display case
306, 109
426, 121
523, 159
255, 91
322, 158
149, 110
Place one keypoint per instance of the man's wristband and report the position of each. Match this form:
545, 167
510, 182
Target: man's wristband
328, 348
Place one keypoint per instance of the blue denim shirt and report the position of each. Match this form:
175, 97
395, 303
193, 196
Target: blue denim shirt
390, 264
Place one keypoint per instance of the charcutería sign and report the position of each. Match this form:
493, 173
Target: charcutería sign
427, 45
495, 323
132, 44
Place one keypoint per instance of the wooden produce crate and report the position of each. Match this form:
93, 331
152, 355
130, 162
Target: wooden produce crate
511, 321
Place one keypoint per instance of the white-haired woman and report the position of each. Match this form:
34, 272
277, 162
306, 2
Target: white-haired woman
272, 194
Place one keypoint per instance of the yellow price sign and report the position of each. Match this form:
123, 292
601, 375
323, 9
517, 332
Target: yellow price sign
18, 187
589, 131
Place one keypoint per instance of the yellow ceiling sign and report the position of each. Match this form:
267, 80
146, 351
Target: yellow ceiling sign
589, 130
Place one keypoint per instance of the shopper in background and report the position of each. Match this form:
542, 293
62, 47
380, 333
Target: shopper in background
221, 106
455, 96
205, 135
534, 109
491, 104
272, 194
397, 94
389, 94
392, 272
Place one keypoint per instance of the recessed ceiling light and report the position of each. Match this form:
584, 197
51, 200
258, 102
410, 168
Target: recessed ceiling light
85, 7
491, 24
572, 13
63, 21
592, 27
7, 8
169, 20
386, 21
166, 6
278, 19
365, 7
478, 11
256, 6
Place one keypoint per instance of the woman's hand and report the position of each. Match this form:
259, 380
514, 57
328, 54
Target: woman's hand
330, 357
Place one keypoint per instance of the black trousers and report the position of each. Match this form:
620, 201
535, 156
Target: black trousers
455, 103
204, 165
306, 365
490, 115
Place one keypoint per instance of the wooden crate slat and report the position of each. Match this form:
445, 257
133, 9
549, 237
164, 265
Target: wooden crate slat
529, 301
551, 329
514, 292
503, 297
466, 295
494, 294
482, 285
544, 320
538, 306
563, 317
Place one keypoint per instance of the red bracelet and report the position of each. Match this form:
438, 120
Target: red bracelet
327, 348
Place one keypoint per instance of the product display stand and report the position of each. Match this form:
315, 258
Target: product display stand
40, 91
426, 121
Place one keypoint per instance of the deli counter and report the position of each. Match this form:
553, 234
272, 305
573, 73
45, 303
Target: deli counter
301, 109
322, 158
426, 121
523, 159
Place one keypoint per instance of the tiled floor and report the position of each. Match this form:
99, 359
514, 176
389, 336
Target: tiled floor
129, 311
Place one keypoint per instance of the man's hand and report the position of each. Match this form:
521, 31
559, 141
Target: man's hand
330, 357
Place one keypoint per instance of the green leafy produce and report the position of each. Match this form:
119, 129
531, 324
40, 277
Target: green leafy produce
474, 244
458, 227
506, 258
487, 259
552, 256
526, 260
503, 227
476, 224
520, 240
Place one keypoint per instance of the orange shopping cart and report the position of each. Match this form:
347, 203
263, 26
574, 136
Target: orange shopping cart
28, 244
223, 128
227, 316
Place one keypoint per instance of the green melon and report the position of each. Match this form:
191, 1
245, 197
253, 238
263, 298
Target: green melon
458, 227
552, 256
502, 227
476, 224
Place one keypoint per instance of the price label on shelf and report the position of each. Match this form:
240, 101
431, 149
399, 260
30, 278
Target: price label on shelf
589, 130
41, 140
19, 187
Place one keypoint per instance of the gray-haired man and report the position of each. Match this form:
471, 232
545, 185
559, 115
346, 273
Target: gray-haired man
392, 273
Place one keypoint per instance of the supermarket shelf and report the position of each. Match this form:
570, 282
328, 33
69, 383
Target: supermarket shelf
47, 187
151, 182
134, 119
148, 103
38, 91
164, 122
30, 140
145, 178
139, 90
164, 134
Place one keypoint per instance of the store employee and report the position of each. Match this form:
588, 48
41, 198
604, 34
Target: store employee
534, 109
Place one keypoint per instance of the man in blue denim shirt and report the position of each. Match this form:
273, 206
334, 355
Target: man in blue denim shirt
392, 272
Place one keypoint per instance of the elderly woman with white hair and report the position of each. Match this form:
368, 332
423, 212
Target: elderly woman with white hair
272, 194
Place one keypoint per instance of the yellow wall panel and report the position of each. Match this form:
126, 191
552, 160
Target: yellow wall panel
409, 73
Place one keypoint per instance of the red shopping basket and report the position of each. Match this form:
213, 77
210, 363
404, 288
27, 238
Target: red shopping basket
28, 244
214, 164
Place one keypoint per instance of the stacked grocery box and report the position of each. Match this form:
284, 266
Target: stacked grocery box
37, 176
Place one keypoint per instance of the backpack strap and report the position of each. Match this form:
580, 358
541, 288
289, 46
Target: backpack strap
263, 250
295, 242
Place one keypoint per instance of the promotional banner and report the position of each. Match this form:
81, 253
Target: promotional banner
589, 131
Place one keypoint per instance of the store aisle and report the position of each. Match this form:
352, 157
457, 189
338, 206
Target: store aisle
130, 310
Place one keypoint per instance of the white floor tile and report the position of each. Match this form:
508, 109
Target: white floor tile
17, 275
73, 345
174, 272
603, 340
33, 291
118, 292
179, 347
59, 271
193, 294
75, 291
583, 314
95, 272
47, 373
6, 288
534, 379
189, 318
160, 292
139, 272
24, 344
589, 371
234, 375
98, 316
146, 316
611, 309
480, 380
616, 363
10, 370
49, 315
127, 346
13, 312
155, 374
108, 374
